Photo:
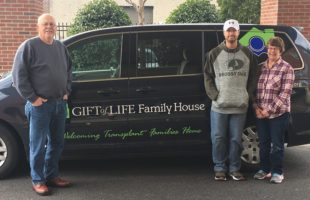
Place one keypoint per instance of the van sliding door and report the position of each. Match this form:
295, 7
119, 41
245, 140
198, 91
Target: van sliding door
167, 90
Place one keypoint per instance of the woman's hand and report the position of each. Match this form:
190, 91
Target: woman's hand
258, 113
265, 113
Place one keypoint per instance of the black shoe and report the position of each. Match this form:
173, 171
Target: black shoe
220, 176
237, 176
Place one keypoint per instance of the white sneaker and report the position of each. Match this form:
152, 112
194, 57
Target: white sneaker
276, 178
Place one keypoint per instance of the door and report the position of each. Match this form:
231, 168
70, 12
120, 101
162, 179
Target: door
167, 91
299, 132
97, 108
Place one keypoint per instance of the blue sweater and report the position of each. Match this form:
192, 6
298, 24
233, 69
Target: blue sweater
42, 70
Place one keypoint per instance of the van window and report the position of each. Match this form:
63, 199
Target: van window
290, 54
168, 53
211, 41
96, 58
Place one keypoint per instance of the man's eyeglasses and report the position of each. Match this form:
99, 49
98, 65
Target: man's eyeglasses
48, 24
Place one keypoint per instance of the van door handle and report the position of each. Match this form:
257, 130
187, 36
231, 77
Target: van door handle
145, 90
108, 92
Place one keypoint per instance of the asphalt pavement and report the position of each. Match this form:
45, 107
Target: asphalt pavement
174, 178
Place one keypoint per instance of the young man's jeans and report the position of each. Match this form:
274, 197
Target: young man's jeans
271, 133
46, 138
226, 133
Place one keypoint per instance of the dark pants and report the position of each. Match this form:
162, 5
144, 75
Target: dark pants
271, 134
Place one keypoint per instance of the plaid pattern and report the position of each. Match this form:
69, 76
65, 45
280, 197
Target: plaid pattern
274, 88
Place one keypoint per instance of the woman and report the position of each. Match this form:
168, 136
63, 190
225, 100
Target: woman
272, 108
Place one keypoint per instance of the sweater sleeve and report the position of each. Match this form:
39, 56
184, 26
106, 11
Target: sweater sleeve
209, 78
69, 72
20, 72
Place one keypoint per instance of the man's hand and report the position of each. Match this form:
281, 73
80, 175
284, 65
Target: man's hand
65, 97
39, 101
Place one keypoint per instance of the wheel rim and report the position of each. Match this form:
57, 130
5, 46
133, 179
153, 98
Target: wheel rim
250, 153
3, 152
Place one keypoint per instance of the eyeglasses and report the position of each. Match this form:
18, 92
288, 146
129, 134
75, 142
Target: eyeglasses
48, 24
273, 48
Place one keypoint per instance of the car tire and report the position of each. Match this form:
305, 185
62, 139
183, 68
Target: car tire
9, 152
250, 154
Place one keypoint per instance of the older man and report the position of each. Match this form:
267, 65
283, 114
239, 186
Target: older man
231, 74
42, 76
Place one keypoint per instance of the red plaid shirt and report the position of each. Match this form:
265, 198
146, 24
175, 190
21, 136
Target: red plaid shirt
274, 88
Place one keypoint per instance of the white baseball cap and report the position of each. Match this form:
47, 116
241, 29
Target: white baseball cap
231, 23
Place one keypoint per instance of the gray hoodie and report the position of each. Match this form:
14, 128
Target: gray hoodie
230, 78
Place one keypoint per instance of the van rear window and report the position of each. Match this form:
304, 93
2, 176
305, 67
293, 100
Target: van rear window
256, 40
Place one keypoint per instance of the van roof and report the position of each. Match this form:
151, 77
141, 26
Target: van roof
177, 27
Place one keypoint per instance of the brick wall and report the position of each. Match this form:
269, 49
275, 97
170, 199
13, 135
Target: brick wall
287, 12
18, 19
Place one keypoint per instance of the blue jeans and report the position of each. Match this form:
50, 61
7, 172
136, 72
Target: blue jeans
226, 133
271, 133
46, 138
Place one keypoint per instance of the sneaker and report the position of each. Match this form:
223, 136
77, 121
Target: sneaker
237, 176
260, 175
220, 176
276, 178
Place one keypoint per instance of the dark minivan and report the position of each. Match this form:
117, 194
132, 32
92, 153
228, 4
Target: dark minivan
139, 90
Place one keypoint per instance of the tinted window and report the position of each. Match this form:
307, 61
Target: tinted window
290, 54
96, 58
168, 53
211, 40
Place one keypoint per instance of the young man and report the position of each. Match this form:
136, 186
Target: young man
230, 79
42, 76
